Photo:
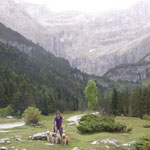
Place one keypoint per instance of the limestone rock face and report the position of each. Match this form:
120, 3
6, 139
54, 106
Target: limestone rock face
93, 43
131, 72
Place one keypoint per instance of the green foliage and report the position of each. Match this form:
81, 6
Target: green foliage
143, 143
93, 123
8, 111
140, 102
25, 81
129, 129
32, 116
147, 126
91, 93
123, 103
114, 103
146, 117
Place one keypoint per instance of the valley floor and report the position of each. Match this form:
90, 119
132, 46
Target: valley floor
83, 142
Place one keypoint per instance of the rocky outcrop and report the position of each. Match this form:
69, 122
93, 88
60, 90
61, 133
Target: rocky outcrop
131, 72
21, 47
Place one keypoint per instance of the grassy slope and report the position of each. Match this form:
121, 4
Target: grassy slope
5, 120
146, 82
76, 139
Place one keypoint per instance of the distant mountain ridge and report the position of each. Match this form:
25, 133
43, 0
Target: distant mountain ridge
93, 43
136, 72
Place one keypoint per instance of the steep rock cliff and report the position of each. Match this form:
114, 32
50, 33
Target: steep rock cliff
93, 43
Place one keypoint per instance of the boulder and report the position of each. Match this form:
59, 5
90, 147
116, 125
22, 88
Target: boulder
104, 141
18, 138
108, 141
3, 148
40, 136
129, 144
5, 140
8, 142
30, 137
95, 143
10, 117
107, 147
49, 144
115, 141
12, 147
126, 144
132, 143
75, 148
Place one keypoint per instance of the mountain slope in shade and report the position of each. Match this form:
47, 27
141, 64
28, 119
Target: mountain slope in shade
45, 72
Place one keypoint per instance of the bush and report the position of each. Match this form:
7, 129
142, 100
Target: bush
92, 123
129, 129
146, 117
32, 116
8, 111
147, 126
143, 143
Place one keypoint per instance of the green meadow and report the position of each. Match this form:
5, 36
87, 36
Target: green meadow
83, 142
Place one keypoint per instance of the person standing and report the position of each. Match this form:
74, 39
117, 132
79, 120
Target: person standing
58, 123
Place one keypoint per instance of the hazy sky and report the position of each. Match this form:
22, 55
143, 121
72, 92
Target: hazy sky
84, 5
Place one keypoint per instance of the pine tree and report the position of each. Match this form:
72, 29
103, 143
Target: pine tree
114, 103
140, 102
2, 95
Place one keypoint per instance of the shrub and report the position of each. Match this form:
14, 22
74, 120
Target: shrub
147, 126
32, 116
129, 129
8, 111
92, 123
143, 143
146, 117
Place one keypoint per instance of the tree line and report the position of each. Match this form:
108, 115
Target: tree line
127, 103
134, 104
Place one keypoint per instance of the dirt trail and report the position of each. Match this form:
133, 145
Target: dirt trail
11, 125
74, 118
77, 117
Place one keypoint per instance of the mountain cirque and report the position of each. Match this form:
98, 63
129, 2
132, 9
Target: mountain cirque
93, 43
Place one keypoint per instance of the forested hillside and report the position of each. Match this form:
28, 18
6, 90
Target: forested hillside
24, 82
29, 75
